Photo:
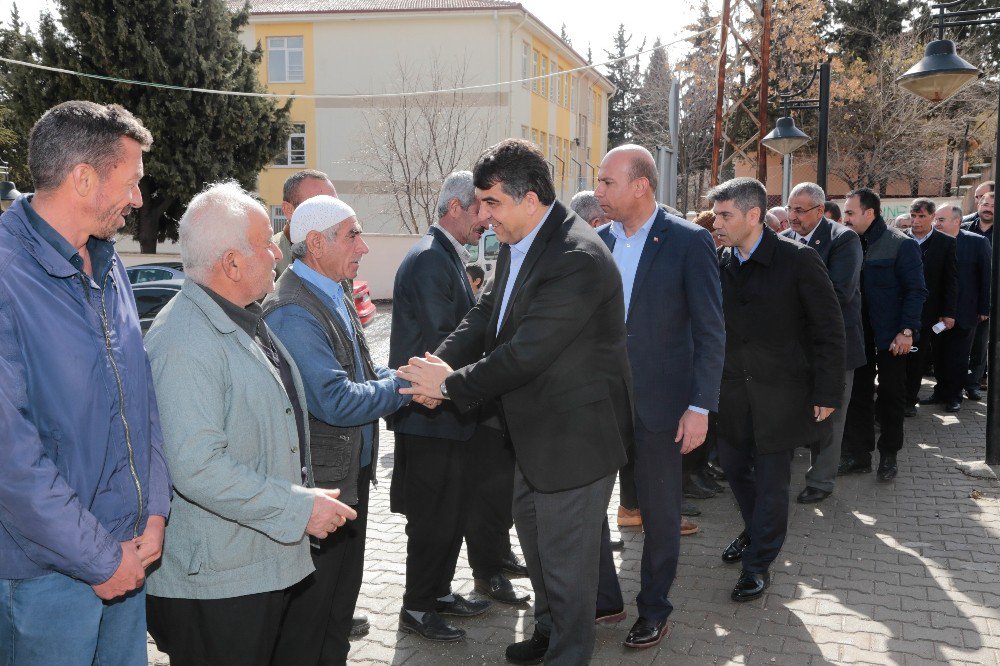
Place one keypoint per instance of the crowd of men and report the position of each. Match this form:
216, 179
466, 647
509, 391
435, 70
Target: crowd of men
211, 482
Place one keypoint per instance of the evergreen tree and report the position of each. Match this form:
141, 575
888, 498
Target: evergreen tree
199, 137
563, 35
626, 77
852, 24
653, 101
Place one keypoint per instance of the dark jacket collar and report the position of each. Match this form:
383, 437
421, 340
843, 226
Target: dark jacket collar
875, 231
763, 255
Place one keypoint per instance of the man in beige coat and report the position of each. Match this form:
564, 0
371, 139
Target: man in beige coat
237, 445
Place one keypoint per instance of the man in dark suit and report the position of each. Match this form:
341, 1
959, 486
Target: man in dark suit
937, 252
893, 293
840, 250
549, 342
974, 257
447, 466
676, 343
981, 223
783, 374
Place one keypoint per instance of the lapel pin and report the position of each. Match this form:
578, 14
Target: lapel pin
656, 239
816, 242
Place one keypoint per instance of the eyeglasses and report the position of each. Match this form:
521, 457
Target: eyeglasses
803, 211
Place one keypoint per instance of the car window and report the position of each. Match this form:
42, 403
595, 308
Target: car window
473, 253
491, 246
140, 275
150, 301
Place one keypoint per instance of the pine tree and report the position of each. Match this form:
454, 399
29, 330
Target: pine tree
199, 137
626, 77
852, 24
653, 101
563, 35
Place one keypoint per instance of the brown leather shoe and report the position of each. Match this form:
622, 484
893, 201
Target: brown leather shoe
629, 517
688, 527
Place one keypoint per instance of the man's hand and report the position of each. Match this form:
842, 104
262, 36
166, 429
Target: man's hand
429, 403
983, 317
425, 376
149, 544
328, 513
127, 577
821, 413
901, 345
949, 322
691, 430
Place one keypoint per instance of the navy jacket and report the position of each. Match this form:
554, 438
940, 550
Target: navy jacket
676, 331
840, 249
975, 264
430, 296
892, 282
940, 277
81, 460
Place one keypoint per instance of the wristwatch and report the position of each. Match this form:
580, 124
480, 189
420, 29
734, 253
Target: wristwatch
906, 333
444, 391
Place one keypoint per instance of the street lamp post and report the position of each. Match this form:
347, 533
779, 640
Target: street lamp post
939, 75
786, 137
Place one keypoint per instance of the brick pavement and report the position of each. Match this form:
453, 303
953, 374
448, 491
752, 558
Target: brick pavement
903, 573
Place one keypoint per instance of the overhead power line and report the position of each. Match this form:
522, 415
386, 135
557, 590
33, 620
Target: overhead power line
240, 93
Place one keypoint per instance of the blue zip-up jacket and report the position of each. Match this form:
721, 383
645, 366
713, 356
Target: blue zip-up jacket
892, 282
81, 454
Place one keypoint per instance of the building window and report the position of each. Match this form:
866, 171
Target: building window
572, 93
545, 73
524, 132
534, 71
277, 218
525, 63
553, 77
534, 136
285, 60
295, 149
559, 87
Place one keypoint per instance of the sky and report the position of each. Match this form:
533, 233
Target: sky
587, 21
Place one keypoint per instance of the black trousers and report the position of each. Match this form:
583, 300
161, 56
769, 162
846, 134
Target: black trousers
317, 624
951, 362
759, 482
491, 496
859, 430
627, 496
917, 361
978, 359
238, 631
658, 482
436, 491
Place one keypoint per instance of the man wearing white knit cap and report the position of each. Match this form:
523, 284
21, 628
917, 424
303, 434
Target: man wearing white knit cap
312, 314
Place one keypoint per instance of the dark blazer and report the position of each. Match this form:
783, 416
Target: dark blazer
676, 332
840, 249
784, 344
430, 296
975, 264
892, 278
558, 363
940, 277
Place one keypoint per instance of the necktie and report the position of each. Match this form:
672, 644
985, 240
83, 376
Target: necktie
803, 241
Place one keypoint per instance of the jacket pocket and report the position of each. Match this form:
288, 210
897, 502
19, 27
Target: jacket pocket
331, 454
579, 396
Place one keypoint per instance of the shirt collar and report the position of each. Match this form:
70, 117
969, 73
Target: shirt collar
247, 318
522, 246
808, 237
101, 252
739, 256
618, 229
331, 288
921, 240
463, 253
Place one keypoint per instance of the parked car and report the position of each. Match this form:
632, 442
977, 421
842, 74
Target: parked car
485, 254
363, 302
150, 297
153, 272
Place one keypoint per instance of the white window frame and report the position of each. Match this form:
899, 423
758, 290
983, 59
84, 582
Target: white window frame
534, 71
290, 73
525, 63
277, 218
293, 159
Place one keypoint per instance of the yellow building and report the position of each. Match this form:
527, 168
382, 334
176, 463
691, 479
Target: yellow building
355, 54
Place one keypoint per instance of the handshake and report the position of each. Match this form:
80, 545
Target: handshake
425, 376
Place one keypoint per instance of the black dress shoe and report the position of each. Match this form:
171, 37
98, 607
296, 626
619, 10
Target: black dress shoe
933, 400
734, 551
693, 489
973, 394
360, 626
610, 616
750, 585
715, 471
462, 607
849, 465
705, 479
646, 633
432, 627
910, 411
886, 469
689, 509
531, 651
812, 495
500, 589
618, 544
512, 566
953, 406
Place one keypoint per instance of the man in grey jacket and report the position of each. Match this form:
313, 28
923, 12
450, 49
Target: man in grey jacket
236, 443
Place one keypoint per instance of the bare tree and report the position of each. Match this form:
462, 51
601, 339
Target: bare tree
412, 142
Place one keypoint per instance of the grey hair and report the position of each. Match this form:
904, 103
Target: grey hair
300, 249
585, 204
772, 221
458, 185
956, 211
216, 220
812, 190
80, 132
745, 193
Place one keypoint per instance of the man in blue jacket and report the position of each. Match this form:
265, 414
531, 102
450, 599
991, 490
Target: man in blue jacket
892, 298
84, 490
